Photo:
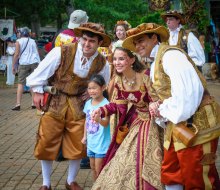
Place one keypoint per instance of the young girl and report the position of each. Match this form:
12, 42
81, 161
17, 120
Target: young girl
96, 135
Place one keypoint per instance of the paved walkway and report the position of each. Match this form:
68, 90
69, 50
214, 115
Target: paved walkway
19, 170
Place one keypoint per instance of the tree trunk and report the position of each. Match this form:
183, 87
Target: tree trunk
35, 24
69, 7
59, 22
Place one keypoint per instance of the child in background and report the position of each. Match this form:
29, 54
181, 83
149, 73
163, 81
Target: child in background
96, 135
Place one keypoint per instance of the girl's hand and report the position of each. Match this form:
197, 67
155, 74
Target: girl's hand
96, 115
84, 140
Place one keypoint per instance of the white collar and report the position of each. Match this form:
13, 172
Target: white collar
80, 53
154, 50
176, 30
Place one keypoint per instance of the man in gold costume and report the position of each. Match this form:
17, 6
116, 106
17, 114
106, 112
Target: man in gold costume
182, 106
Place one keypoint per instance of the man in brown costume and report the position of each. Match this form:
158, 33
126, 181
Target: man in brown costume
67, 68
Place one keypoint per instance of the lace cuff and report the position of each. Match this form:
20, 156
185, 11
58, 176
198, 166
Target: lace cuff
38, 89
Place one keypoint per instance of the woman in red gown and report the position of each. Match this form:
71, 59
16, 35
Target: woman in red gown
136, 162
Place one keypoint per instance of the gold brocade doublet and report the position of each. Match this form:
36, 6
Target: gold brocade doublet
70, 86
206, 118
182, 40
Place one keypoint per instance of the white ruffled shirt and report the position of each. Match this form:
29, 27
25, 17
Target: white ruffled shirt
195, 50
186, 87
51, 62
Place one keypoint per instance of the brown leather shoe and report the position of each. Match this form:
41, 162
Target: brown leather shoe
45, 188
73, 186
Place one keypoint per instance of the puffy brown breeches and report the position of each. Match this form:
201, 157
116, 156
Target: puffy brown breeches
56, 131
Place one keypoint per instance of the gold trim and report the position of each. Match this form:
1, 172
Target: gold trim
206, 149
198, 140
141, 159
166, 144
210, 130
209, 111
121, 101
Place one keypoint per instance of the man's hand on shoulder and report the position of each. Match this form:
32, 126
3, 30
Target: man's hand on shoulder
85, 96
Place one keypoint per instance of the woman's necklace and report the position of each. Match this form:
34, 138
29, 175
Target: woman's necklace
130, 82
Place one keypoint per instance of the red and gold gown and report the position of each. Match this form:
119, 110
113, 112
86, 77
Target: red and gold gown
136, 163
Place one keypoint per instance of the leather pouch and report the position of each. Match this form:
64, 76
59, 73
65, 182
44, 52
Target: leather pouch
122, 133
47, 98
183, 132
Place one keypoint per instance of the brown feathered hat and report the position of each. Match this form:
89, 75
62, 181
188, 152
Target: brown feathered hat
94, 28
174, 13
144, 28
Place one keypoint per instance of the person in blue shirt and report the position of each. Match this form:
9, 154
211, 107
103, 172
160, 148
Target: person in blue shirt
96, 135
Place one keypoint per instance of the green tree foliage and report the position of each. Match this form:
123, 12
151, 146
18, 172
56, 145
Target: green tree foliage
109, 12
48, 11
153, 17
196, 14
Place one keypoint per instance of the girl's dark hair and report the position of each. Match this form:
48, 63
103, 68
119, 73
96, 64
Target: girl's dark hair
91, 35
99, 79
137, 65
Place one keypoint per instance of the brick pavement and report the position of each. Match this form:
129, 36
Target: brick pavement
19, 170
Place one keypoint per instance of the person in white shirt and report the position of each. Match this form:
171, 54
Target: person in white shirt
181, 102
180, 37
68, 68
27, 56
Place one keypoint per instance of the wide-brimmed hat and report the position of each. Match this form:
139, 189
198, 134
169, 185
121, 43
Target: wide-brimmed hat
96, 29
174, 13
123, 22
144, 28
77, 17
